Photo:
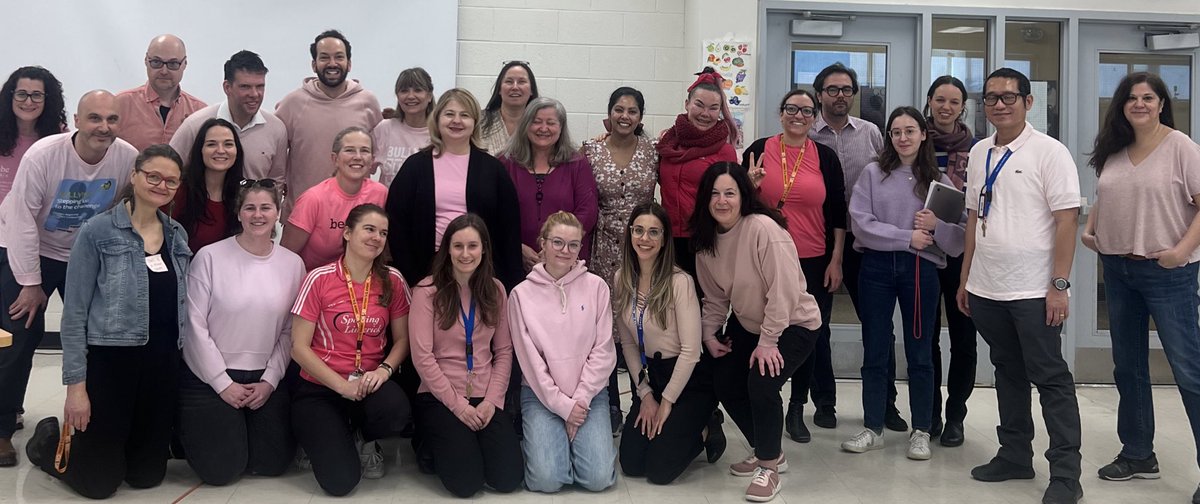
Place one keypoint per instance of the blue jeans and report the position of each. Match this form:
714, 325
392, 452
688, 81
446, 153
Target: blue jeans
886, 277
1136, 291
551, 460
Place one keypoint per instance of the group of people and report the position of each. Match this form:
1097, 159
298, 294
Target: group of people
480, 293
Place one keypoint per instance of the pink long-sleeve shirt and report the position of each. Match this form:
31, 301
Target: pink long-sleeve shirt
239, 312
440, 356
562, 334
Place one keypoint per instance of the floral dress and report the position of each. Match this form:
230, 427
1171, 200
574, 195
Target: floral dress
620, 189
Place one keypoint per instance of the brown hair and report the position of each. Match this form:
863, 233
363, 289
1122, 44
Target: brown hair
379, 266
446, 303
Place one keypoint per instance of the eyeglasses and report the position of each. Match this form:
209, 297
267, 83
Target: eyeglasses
36, 96
1007, 98
519, 62
792, 110
906, 132
833, 92
247, 184
639, 231
560, 244
156, 63
156, 179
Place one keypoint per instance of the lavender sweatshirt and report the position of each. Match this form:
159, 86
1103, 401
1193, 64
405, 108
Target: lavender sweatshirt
882, 211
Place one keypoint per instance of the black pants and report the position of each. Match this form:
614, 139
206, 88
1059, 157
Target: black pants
960, 380
221, 442
1025, 350
614, 387
816, 373
751, 398
664, 458
324, 424
17, 360
464, 459
133, 395
851, 265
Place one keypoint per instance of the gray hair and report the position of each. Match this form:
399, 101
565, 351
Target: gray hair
521, 151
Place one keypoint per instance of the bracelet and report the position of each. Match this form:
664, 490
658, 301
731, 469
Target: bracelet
387, 367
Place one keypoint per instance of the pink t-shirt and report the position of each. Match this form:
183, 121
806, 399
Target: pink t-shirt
804, 205
450, 191
325, 302
321, 212
394, 142
9, 163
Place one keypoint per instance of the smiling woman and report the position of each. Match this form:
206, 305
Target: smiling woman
314, 229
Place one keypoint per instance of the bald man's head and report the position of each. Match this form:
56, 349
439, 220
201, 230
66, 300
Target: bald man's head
165, 52
97, 120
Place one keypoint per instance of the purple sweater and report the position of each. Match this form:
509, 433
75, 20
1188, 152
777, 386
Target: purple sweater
570, 187
882, 211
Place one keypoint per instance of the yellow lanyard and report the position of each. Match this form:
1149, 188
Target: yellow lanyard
360, 313
788, 179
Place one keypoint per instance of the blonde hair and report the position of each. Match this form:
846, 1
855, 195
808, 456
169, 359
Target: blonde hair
559, 218
466, 100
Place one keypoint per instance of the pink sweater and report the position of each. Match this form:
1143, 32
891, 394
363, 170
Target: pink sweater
440, 355
756, 272
562, 333
313, 119
54, 193
226, 284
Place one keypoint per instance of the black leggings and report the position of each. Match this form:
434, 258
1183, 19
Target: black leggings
133, 392
464, 459
960, 381
751, 398
222, 442
664, 458
816, 373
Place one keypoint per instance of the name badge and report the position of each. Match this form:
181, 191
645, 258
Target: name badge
156, 264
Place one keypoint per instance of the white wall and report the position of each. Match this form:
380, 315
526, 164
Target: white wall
580, 51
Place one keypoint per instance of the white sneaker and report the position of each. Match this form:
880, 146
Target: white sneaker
864, 441
371, 458
918, 445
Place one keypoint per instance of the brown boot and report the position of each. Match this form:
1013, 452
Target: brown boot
8, 454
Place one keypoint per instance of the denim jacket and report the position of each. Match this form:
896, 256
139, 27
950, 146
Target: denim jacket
106, 302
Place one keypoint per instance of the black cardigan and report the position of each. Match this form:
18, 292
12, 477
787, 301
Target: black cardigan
834, 207
411, 213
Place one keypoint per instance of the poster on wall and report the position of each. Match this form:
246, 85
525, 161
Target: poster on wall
732, 59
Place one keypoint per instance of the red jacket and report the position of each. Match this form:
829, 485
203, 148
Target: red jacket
678, 182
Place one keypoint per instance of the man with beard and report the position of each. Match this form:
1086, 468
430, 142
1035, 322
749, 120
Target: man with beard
857, 143
322, 107
151, 113
62, 181
264, 137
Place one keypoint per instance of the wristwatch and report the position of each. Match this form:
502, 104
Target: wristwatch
1061, 284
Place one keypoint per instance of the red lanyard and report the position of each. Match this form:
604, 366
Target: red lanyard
360, 313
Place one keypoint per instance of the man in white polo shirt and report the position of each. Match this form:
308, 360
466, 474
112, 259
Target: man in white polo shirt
1023, 207
263, 136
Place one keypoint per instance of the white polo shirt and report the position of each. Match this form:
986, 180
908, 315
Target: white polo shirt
1016, 258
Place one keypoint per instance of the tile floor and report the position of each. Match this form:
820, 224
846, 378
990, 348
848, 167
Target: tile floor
820, 472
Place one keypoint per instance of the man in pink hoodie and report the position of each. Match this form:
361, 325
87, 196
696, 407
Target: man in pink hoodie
322, 107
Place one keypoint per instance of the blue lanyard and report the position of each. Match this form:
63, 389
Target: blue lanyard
469, 327
638, 317
990, 181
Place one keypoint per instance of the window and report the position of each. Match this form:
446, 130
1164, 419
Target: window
960, 48
1035, 49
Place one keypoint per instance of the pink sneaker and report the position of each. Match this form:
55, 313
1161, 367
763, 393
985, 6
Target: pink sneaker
764, 486
747, 467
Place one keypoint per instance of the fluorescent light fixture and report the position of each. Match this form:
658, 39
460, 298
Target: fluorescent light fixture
963, 30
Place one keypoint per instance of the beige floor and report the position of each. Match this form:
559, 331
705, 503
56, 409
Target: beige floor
820, 472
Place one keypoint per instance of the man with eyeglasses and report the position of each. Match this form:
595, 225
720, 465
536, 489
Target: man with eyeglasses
323, 106
857, 143
151, 113
1023, 209
263, 136
62, 181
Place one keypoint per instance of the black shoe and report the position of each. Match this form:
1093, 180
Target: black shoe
8, 453
935, 430
615, 414
1196, 496
43, 442
952, 435
1062, 491
1124, 468
1001, 470
894, 422
714, 444
825, 417
794, 423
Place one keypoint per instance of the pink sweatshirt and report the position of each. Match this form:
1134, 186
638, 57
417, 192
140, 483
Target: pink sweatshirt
440, 356
54, 193
562, 334
313, 119
9, 163
756, 272
225, 284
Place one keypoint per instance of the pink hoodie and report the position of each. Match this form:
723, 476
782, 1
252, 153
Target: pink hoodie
313, 119
562, 334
